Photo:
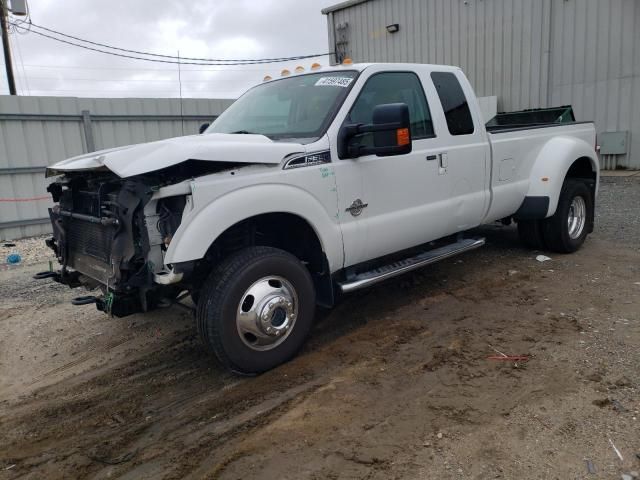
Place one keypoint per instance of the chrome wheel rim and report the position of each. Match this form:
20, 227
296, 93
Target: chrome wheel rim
577, 217
267, 313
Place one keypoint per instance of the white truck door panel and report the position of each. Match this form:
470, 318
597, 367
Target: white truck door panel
465, 184
405, 200
464, 162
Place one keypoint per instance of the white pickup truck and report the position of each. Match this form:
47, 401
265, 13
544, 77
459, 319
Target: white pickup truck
308, 187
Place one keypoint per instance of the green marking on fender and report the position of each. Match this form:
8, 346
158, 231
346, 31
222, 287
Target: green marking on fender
326, 172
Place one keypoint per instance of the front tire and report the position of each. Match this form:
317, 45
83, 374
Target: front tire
567, 229
256, 309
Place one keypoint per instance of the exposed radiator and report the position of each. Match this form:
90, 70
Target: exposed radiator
88, 242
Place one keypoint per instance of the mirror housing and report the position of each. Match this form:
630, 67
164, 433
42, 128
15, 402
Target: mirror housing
203, 127
391, 133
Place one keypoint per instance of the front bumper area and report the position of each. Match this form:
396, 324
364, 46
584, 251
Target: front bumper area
113, 303
100, 238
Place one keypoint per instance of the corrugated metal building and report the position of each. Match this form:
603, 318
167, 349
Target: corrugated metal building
38, 131
530, 54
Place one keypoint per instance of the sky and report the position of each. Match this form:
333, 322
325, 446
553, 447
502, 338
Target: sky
228, 29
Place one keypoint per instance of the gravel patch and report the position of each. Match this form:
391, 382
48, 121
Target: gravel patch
618, 210
32, 250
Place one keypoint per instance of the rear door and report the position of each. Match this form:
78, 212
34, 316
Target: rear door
464, 162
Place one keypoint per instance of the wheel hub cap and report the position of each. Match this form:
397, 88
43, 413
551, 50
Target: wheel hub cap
267, 313
276, 316
577, 217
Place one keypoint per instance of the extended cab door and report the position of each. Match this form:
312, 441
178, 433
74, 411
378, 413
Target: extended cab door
390, 203
465, 156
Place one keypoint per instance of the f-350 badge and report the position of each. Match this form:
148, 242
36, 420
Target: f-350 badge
356, 207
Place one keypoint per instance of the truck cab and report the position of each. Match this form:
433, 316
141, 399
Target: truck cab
308, 187
445, 176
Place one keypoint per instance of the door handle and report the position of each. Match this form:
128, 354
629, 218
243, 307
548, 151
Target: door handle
443, 162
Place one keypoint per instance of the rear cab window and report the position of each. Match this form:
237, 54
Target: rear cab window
454, 103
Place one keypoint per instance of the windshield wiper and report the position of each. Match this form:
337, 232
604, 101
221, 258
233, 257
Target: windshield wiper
244, 132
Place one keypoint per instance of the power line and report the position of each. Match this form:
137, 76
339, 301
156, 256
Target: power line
158, 60
124, 92
27, 20
164, 88
166, 69
14, 42
24, 71
145, 80
171, 61
180, 86
138, 52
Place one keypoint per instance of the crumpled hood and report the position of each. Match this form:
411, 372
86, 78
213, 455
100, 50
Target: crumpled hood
148, 157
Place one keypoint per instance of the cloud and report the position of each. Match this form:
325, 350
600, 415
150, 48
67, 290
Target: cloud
225, 29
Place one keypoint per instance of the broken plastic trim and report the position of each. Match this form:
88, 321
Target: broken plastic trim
167, 277
89, 218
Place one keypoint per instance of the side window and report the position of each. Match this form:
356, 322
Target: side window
454, 103
394, 87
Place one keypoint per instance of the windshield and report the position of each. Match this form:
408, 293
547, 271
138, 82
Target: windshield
299, 107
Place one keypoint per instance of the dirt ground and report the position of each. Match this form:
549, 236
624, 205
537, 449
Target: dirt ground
395, 382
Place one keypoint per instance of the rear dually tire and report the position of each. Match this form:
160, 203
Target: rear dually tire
567, 229
530, 234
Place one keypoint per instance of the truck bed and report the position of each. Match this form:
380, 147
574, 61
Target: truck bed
514, 151
531, 118
497, 129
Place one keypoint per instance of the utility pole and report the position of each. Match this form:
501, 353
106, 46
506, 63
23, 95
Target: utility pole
4, 11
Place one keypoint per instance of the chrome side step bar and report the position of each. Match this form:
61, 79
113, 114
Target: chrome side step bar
380, 274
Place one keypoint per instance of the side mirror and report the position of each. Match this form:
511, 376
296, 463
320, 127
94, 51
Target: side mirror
391, 133
203, 127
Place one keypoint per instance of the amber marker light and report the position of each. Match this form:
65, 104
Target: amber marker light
402, 136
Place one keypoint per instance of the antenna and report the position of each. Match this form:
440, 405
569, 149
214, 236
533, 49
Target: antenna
180, 86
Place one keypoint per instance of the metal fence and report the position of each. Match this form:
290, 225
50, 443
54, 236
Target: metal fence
38, 131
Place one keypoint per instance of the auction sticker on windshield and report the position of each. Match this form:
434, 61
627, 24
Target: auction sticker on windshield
334, 81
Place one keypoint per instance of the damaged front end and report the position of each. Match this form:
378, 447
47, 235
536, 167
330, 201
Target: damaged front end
111, 233
118, 209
